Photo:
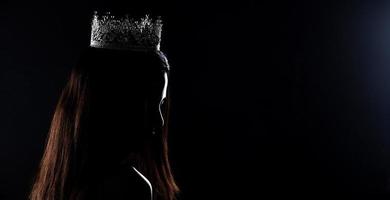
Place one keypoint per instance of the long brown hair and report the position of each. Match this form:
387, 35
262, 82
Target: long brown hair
62, 172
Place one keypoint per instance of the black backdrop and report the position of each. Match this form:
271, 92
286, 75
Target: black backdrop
284, 98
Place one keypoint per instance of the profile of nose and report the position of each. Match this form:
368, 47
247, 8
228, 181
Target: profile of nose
157, 114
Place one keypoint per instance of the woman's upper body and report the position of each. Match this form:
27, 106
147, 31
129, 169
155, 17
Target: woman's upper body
114, 106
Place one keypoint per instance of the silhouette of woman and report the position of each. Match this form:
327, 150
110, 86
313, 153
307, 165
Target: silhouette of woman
108, 136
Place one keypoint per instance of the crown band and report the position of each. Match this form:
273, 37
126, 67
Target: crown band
113, 32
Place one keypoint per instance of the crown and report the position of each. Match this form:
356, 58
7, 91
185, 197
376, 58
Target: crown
122, 32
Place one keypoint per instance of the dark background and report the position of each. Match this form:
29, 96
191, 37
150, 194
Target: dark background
284, 98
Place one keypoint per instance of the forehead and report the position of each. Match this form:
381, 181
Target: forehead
114, 79
116, 73
119, 65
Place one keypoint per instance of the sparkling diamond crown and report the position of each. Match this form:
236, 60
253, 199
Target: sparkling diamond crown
122, 32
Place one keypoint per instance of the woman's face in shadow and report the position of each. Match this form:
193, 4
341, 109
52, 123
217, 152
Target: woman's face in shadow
124, 107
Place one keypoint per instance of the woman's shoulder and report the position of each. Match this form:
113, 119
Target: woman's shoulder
142, 179
127, 183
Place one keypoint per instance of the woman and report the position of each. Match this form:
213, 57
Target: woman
108, 137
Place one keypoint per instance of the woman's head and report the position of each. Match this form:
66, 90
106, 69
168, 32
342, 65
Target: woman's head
126, 95
113, 110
